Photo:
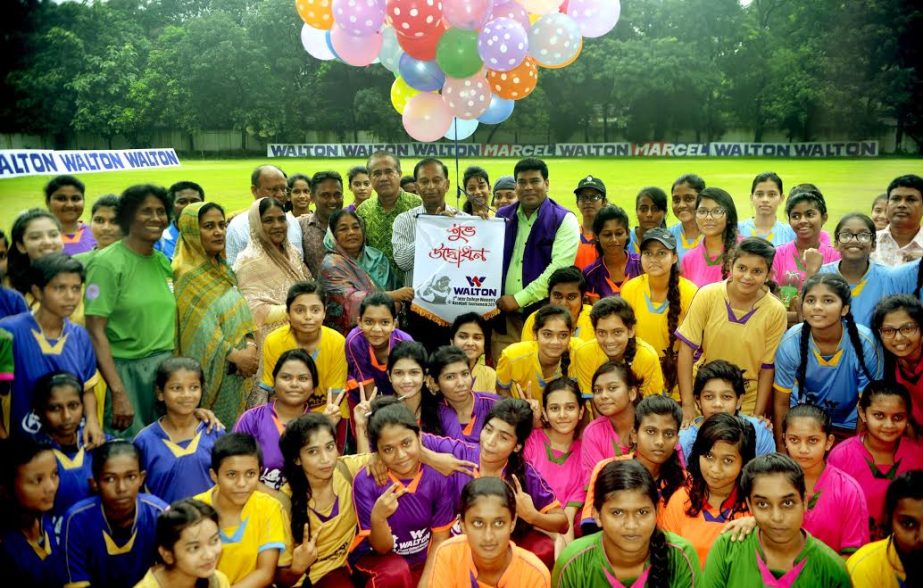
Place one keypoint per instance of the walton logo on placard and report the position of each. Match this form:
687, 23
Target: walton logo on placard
476, 281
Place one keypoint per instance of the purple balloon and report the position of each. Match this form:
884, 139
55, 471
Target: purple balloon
503, 44
359, 18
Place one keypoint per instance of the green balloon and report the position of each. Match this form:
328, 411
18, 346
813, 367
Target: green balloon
457, 53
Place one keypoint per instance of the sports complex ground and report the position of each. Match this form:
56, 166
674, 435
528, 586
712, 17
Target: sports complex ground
847, 184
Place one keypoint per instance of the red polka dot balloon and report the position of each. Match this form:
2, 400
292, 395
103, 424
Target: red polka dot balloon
414, 18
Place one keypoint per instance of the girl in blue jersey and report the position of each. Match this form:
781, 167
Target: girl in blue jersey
869, 280
58, 401
176, 448
29, 553
109, 539
826, 359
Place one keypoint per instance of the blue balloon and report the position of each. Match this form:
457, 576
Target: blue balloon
499, 110
421, 75
461, 129
330, 46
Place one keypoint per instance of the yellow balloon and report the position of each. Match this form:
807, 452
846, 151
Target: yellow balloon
401, 92
573, 59
534, 17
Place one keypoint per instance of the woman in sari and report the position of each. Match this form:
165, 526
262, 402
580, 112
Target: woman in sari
268, 266
352, 270
215, 325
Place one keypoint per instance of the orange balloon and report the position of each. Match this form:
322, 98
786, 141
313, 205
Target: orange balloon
515, 84
316, 13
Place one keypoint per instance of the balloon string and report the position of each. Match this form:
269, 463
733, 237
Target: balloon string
458, 186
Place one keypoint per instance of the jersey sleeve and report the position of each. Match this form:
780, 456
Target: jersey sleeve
855, 526
75, 547
273, 535
459, 449
527, 334
354, 463
337, 368
583, 364
245, 423
716, 566
787, 360
671, 516
691, 330
543, 497
775, 328
270, 356
88, 374
363, 500
504, 372
874, 360
765, 442
444, 511
590, 455
686, 565
102, 290
647, 367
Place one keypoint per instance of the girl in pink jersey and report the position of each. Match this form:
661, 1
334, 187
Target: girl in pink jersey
882, 452
615, 392
799, 259
898, 326
716, 217
554, 450
808, 434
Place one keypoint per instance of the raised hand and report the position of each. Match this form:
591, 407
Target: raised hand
387, 504
332, 410
364, 408
304, 556
524, 505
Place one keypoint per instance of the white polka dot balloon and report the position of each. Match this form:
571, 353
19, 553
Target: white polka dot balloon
359, 17
467, 98
503, 44
554, 40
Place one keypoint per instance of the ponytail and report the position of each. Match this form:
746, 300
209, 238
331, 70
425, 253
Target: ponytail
674, 299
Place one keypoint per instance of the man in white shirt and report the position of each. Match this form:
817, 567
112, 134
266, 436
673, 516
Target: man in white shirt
266, 181
902, 240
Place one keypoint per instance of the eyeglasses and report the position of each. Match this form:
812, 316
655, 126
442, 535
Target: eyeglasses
905, 330
845, 237
716, 212
589, 197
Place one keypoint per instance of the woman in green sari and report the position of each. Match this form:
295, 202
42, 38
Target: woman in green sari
215, 324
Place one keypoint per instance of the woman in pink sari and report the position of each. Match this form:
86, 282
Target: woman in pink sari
352, 270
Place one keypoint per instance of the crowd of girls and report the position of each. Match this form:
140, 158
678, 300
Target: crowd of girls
697, 404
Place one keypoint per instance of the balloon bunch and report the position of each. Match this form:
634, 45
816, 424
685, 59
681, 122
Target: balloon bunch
457, 63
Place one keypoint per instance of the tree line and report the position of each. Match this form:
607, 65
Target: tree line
670, 68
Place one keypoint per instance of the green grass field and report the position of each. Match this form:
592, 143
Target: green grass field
847, 184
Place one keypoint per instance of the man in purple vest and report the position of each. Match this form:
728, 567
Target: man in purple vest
541, 236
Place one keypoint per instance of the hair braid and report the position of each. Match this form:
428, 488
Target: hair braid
801, 372
631, 349
730, 243
661, 573
565, 362
857, 344
674, 300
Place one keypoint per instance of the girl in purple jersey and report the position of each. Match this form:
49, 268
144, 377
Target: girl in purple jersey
462, 412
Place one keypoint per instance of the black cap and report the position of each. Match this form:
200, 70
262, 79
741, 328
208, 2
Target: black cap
591, 182
662, 236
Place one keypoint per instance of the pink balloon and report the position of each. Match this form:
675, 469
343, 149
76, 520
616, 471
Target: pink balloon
414, 18
427, 117
358, 51
467, 98
467, 14
511, 10
541, 6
